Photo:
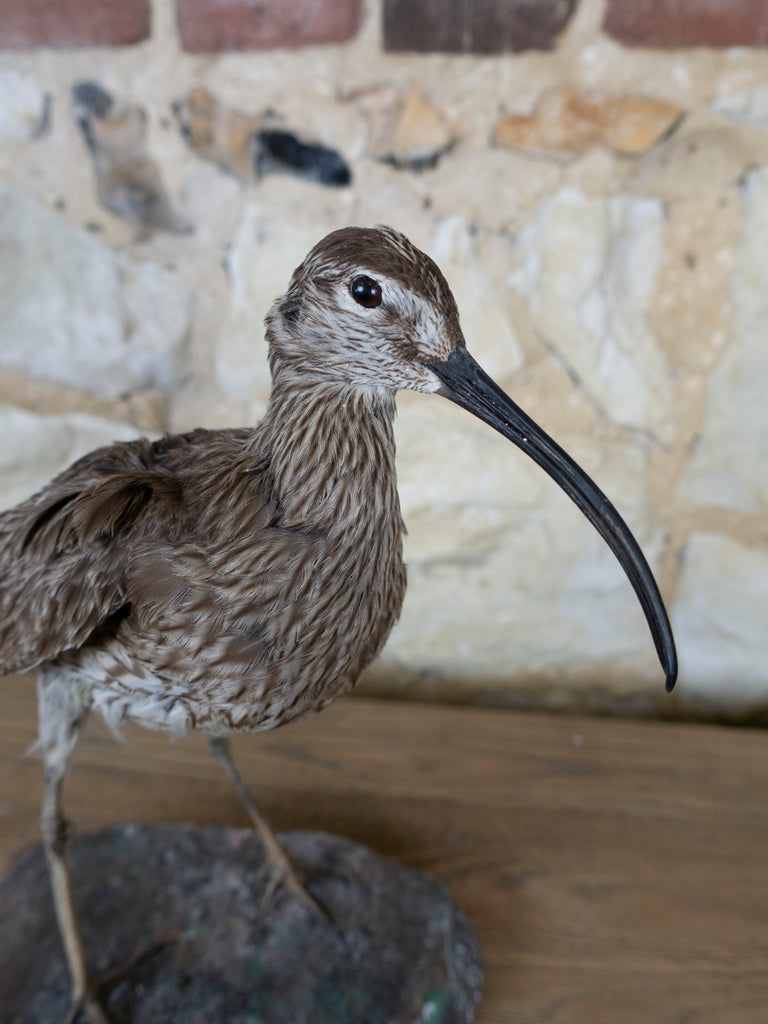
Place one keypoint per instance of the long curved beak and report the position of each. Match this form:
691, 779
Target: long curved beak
467, 384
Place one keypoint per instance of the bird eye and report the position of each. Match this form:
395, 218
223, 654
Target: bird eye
366, 291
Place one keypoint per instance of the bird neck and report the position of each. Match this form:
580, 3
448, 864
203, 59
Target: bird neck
332, 453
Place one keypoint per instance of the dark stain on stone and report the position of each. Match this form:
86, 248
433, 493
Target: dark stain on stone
276, 150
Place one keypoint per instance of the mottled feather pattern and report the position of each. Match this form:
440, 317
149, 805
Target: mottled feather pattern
235, 579
229, 584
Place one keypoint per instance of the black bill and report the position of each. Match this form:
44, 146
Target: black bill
467, 384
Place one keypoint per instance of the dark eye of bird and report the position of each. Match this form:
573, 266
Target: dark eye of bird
366, 291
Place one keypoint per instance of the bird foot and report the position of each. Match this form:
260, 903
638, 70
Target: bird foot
89, 1008
86, 1009
282, 874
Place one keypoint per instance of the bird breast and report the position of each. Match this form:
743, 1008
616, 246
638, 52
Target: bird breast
280, 589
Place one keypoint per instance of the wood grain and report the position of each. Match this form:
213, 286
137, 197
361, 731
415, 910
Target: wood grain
615, 872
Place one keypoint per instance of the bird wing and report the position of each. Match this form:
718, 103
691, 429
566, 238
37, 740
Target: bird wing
167, 545
64, 551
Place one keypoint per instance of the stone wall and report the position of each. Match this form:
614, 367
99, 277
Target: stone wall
593, 178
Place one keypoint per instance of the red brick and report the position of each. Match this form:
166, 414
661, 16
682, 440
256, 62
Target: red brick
207, 26
482, 26
680, 23
25, 24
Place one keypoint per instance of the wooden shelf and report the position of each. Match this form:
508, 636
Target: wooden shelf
615, 872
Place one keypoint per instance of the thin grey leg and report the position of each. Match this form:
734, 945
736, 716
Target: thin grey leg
281, 871
63, 709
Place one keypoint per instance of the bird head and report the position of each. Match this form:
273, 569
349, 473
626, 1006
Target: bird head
366, 308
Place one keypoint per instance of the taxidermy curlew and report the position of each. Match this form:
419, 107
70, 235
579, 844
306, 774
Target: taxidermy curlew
233, 580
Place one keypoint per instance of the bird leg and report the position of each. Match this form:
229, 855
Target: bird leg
281, 870
63, 709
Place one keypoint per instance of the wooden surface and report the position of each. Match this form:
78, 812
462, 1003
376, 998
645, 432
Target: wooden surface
615, 872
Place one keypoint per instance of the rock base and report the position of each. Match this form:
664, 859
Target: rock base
182, 911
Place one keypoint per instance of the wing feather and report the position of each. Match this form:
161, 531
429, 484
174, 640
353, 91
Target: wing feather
171, 554
63, 552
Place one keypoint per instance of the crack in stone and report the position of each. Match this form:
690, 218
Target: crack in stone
639, 432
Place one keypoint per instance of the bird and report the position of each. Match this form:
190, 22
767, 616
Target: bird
233, 580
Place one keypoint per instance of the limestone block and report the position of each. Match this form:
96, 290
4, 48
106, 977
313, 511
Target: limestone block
454, 26
75, 23
569, 121
421, 133
727, 465
597, 172
263, 255
720, 618
129, 179
587, 267
74, 311
695, 163
748, 107
211, 200
209, 26
35, 448
692, 309
405, 130
507, 579
696, 173
23, 107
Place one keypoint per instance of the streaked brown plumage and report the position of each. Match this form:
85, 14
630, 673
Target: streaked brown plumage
236, 579
190, 576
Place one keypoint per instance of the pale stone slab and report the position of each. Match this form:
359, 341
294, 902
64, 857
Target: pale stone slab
489, 188
506, 579
23, 107
486, 324
703, 162
35, 448
727, 466
588, 269
406, 130
74, 311
721, 621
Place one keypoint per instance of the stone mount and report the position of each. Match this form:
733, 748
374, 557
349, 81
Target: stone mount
181, 910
